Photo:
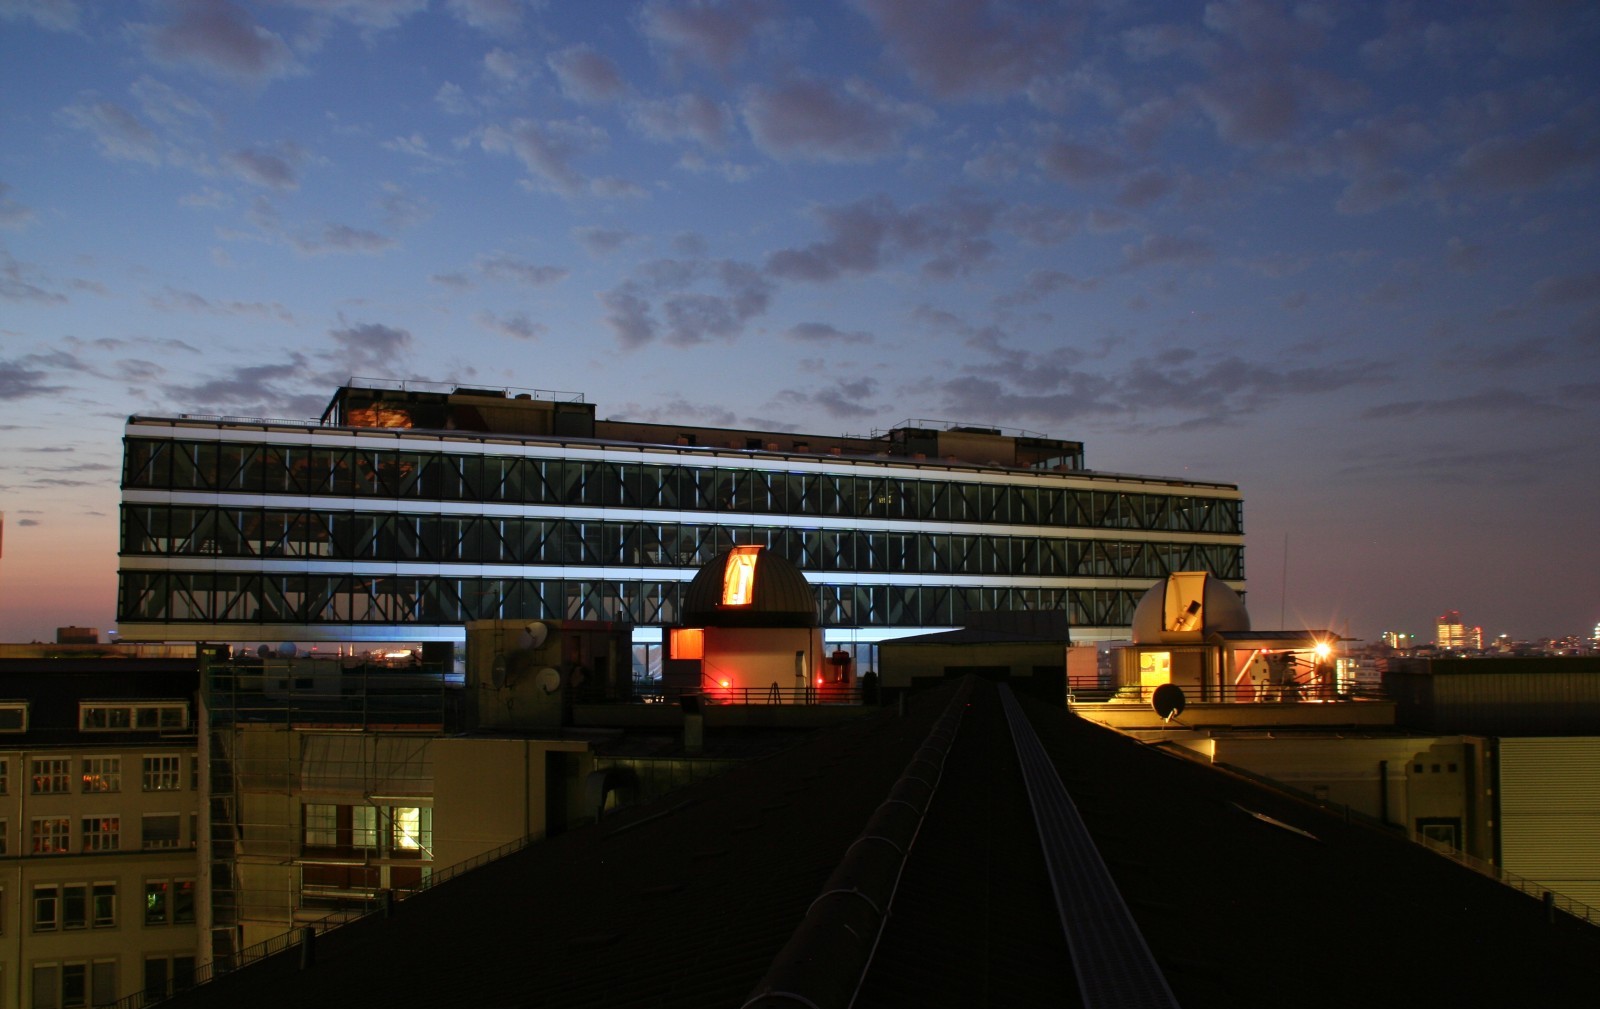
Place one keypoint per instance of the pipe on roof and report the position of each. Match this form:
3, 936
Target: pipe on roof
823, 963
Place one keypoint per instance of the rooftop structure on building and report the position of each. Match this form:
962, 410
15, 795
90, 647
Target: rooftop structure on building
406, 512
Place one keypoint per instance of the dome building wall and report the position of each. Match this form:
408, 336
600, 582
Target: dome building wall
750, 632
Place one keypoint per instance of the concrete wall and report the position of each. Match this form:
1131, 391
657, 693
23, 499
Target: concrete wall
491, 791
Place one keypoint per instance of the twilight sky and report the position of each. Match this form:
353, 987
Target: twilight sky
1344, 255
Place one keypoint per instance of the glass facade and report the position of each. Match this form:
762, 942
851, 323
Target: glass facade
235, 527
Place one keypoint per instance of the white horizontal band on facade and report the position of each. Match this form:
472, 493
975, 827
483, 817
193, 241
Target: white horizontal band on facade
542, 573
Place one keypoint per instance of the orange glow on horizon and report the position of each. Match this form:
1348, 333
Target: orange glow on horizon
739, 577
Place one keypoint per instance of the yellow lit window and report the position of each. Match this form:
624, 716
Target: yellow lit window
739, 577
688, 643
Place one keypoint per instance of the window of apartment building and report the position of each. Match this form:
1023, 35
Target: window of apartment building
347, 828
74, 985
5, 837
102, 774
168, 901
5, 775
13, 716
128, 716
411, 831
71, 906
321, 825
166, 975
52, 835
158, 830
163, 773
50, 775
102, 833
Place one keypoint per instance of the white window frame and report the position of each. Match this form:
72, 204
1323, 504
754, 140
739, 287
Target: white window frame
20, 708
50, 775
102, 774
162, 772
61, 835
133, 716
101, 833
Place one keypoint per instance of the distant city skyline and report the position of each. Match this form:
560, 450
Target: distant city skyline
1344, 256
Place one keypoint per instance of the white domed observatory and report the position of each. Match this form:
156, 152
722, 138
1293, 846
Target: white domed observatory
1193, 630
750, 632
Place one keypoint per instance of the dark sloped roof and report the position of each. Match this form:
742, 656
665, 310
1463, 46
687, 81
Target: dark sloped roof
1246, 897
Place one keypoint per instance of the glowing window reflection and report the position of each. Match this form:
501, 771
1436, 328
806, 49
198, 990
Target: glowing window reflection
739, 577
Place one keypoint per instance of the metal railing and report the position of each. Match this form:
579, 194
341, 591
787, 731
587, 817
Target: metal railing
1533, 888
1291, 693
768, 695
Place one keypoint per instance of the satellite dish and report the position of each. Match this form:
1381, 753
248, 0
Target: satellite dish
287, 650
264, 652
537, 631
548, 680
1168, 700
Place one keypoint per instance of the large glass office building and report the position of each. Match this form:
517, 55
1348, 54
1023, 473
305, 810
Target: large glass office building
408, 510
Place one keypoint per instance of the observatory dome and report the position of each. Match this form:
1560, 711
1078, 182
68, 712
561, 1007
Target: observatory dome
749, 587
1210, 604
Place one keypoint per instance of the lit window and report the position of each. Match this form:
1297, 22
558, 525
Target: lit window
102, 833
168, 901
102, 774
52, 835
412, 830
739, 576
157, 903
51, 776
688, 643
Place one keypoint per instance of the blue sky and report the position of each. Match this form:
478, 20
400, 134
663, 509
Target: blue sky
1343, 255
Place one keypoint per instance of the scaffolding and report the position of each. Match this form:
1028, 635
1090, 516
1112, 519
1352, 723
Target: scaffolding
285, 737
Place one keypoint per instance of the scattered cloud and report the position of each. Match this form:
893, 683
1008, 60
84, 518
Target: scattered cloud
335, 239
862, 236
706, 34
498, 17
1529, 161
683, 117
815, 120
220, 39
956, 48
268, 168
502, 267
548, 149
13, 214
586, 75
20, 381
174, 300
599, 241
51, 15
116, 132
822, 332
516, 325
